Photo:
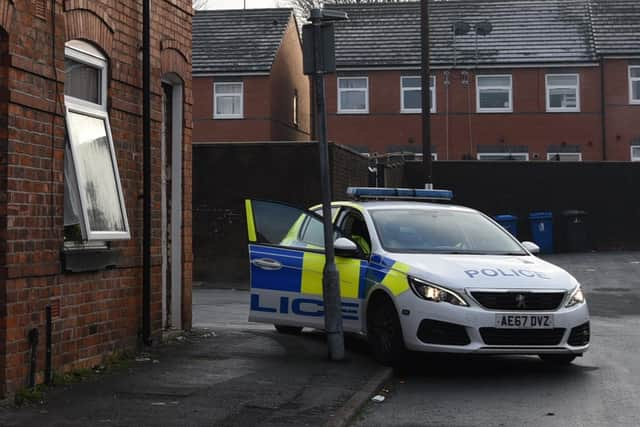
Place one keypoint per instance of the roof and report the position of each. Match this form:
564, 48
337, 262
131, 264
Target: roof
524, 32
240, 40
404, 204
616, 26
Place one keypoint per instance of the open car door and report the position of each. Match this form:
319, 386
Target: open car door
286, 256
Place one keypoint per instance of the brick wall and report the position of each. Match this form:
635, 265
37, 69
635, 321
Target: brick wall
456, 128
100, 312
621, 117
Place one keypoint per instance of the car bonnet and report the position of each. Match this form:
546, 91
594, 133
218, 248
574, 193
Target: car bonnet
486, 271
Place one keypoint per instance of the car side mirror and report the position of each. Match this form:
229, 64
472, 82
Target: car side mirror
345, 247
531, 247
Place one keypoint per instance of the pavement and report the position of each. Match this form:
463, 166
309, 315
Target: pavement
600, 389
228, 372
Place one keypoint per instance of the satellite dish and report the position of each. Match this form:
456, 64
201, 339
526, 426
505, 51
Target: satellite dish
460, 28
484, 28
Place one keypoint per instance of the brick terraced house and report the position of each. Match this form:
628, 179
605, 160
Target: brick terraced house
247, 77
551, 80
71, 180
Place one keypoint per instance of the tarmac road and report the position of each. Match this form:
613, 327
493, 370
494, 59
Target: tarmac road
600, 389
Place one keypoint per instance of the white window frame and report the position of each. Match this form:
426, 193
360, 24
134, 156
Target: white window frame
632, 100
493, 156
551, 109
366, 95
432, 94
479, 109
217, 115
550, 156
631, 156
84, 53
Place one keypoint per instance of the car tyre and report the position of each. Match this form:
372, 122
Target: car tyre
288, 330
384, 332
557, 359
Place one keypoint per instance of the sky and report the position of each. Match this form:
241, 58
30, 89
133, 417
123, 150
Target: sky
238, 4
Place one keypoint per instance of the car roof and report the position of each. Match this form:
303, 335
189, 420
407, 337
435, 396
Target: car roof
403, 204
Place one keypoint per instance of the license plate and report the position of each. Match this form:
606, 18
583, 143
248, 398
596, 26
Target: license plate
524, 321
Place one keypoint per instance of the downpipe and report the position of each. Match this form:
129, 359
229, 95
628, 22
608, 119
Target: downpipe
33, 336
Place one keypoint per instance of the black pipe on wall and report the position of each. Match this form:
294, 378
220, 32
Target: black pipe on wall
33, 342
146, 170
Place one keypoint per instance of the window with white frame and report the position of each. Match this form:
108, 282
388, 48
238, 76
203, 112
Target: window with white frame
635, 153
228, 100
94, 207
494, 94
564, 157
418, 156
563, 92
634, 84
353, 94
411, 94
294, 106
504, 156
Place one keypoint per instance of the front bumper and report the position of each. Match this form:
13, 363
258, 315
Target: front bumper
472, 329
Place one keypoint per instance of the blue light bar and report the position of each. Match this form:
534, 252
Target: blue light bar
398, 193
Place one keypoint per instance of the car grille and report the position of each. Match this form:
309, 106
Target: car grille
521, 301
443, 333
580, 335
495, 336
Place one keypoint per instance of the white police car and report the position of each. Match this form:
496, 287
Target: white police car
414, 275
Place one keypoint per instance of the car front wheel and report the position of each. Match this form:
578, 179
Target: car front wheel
558, 359
384, 332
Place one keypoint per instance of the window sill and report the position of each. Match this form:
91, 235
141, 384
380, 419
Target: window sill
562, 110
89, 259
228, 117
348, 112
494, 111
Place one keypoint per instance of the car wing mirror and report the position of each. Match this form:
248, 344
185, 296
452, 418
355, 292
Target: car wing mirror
345, 247
531, 247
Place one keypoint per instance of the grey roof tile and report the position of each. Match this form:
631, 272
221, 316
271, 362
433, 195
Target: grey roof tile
524, 32
616, 26
227, 41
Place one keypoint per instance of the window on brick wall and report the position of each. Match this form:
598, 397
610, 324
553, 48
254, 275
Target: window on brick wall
353, 94
294, 107
94, 207
634, 84
563, 92
635, 153
411, 94
228, 100
494, 94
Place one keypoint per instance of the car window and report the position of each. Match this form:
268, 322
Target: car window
442, 231
355, 228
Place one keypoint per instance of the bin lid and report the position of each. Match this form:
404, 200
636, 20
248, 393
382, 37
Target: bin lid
540, 215
505, 218
574, 212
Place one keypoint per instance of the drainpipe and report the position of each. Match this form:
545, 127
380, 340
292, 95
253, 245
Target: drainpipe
603, 112
146, 170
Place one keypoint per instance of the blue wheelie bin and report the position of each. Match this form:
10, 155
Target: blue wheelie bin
509, 223
542, 230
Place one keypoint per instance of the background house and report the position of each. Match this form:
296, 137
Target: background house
553, 80
247, 77
71, 179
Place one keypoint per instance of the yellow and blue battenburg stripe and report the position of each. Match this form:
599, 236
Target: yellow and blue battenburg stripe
301, 273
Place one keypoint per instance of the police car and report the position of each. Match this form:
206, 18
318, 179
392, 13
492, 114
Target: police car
414, 275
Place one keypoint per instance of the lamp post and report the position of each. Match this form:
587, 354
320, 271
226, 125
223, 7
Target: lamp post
426, 96
319, 59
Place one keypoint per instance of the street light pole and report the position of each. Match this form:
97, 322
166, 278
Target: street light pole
426, 97
330, 274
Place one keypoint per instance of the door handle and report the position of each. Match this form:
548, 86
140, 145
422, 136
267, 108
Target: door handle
267, 264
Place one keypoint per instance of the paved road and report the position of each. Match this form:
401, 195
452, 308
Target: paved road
600, 389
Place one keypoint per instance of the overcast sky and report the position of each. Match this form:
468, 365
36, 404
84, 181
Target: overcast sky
238, 4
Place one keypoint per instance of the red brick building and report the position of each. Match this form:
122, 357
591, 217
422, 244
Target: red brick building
71, 179
247, 74
552, 80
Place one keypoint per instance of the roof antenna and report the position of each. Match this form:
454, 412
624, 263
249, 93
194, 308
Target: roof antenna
483, 28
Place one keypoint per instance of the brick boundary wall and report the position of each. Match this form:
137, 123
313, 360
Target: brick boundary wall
100, 312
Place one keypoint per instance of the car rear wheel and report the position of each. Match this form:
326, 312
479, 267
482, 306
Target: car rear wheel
289, 330
384, 332
558, 359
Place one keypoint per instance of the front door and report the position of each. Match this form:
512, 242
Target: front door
286, 255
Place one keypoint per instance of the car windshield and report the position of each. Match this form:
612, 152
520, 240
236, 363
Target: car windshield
442, 231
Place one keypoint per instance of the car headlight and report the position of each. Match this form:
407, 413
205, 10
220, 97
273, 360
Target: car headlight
577, 297
435, 293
